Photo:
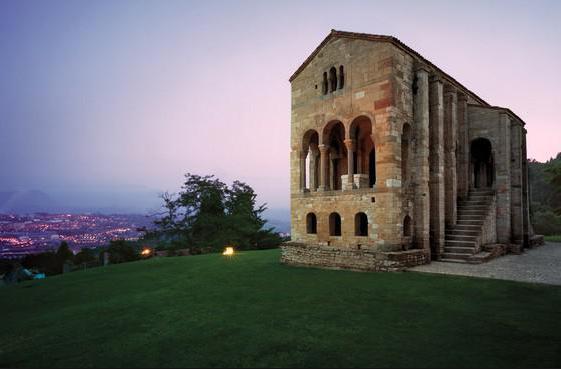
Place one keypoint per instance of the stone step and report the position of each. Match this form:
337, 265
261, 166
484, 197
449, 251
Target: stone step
457, 237
473, 212
454, 243
473, 207
473, 203
460, 250
481, 191
469, 222
456, 256
480, 198
468, 227
471, 216
462, 232
461, 261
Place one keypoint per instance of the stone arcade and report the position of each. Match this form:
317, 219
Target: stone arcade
394, 163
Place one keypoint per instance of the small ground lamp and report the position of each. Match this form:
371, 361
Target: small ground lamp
146, 252
228, 251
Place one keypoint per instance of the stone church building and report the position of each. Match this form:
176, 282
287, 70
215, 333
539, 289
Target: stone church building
394, 163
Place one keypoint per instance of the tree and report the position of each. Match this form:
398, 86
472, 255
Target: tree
545, 186
84, 256
207, 213
244, 222
64, 253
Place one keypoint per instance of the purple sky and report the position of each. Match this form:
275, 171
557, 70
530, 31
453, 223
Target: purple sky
113, 94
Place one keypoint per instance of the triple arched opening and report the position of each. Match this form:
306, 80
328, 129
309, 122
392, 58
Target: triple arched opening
338, 144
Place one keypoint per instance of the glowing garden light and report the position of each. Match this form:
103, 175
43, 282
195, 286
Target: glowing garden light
228, 251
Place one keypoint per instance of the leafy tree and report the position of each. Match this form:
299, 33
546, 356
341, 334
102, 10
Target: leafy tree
64, 253
204, 196
208, 214
244, 222
545, 186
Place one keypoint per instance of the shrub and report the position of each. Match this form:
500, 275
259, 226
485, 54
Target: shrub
120, 251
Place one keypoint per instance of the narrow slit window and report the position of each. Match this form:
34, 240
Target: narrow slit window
341, 77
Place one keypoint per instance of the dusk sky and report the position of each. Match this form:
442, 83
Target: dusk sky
119, 95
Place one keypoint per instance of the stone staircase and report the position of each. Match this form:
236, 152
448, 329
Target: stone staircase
463, 240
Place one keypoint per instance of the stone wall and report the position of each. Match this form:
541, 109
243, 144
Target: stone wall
369, 91
489, 232
358, 259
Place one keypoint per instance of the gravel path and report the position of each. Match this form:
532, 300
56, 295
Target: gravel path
539, 265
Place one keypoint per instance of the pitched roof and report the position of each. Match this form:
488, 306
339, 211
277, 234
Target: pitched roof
394, 41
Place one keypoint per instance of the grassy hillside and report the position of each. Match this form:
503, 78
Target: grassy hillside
251, 311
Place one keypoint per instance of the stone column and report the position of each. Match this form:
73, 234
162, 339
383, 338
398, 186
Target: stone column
303, 155
450, 137
503, 177
314, 152
516, 218
436, 162
350, 144
463, 148
324, 158
420, 180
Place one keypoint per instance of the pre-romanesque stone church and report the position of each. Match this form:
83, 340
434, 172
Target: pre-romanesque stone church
394, 163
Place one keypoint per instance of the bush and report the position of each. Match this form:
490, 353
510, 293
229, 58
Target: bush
546, 222
84, 256
120, 251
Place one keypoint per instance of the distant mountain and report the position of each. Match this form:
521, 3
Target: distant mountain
25, 202
122, 201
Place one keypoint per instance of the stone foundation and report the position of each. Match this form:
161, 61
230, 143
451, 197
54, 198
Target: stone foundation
536, 240
355, 259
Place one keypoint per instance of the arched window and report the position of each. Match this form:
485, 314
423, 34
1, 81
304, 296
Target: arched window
407, 226
405, 150
334, 224
310, 160
333, 79
341, 77
361, 224
311, 223
325, 85
334, 135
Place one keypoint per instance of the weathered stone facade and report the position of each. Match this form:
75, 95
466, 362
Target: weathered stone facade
395, 163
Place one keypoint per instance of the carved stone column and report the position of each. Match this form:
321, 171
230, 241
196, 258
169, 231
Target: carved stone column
324, 158
351, 146
314, 152
303, 155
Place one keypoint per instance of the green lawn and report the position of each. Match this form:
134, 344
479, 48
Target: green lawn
553, 238
251, 311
